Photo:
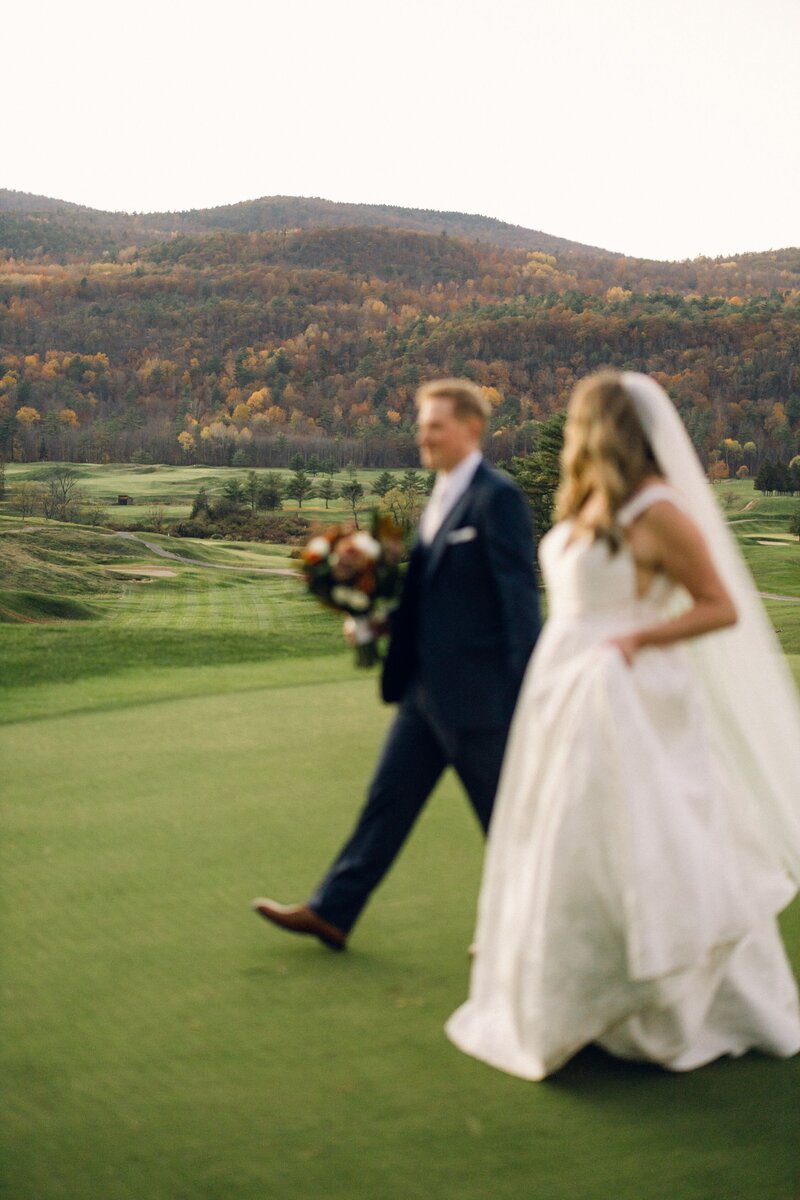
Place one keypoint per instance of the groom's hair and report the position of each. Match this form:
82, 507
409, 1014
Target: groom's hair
469, 399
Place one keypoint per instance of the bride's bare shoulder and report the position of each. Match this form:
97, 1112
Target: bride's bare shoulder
658, 524
666, 531
652, 491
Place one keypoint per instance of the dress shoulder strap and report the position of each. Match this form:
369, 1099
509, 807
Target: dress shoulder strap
643, 499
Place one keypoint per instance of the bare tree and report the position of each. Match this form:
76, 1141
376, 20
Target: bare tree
94, 512
28, 498
155, 517
61, 493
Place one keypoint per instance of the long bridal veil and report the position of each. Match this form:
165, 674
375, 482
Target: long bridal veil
754, 708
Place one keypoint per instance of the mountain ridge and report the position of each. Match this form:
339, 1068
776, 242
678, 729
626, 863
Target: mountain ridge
267, 213
42, 226
192, 340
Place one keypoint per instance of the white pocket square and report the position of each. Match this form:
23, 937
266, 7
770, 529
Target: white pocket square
467, 533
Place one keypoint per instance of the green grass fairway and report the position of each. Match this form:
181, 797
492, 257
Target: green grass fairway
178, 735
173, 488
213, 605
160, 1042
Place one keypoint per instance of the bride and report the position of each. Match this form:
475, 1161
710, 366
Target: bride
647, 827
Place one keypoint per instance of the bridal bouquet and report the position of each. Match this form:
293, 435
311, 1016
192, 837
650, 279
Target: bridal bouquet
357, 573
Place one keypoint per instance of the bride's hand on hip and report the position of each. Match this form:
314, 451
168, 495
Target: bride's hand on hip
627, 645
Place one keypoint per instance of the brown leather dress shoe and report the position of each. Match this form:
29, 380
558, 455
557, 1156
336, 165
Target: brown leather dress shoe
299, 918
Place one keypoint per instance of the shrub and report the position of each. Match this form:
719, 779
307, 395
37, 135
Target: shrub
244, 526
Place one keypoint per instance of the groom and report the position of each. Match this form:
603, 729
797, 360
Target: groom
460, 642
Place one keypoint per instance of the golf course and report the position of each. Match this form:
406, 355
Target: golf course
182, 729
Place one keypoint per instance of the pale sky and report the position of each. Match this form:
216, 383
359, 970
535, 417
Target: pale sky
664, 130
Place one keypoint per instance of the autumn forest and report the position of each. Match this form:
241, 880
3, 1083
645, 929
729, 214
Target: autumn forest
242, 336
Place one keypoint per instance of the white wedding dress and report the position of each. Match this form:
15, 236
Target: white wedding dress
624, 900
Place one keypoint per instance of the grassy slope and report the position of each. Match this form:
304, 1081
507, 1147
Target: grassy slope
756, 519
160, 1041
190, 748
199, 615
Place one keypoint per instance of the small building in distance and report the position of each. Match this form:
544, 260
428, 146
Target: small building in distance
124, 499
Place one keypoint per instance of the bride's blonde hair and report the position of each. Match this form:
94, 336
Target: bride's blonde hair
605, 455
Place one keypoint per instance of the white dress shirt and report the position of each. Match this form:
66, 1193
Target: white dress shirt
447, 491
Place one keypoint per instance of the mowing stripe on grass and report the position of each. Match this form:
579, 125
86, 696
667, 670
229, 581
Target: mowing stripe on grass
160, 1042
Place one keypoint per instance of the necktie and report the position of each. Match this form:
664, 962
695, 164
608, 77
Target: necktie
434, 510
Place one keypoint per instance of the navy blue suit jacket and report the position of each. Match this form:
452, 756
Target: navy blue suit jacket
469, 614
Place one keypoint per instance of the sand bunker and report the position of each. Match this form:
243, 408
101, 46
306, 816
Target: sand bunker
141, 571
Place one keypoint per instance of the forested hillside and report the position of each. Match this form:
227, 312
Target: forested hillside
124, 338
37, 225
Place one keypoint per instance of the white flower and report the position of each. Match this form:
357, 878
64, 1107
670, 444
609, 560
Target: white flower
319, 547
367, 545
350, 598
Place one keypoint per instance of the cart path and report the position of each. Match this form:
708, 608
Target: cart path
154, 548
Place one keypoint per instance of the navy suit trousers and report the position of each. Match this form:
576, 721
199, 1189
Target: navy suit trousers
418, 748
